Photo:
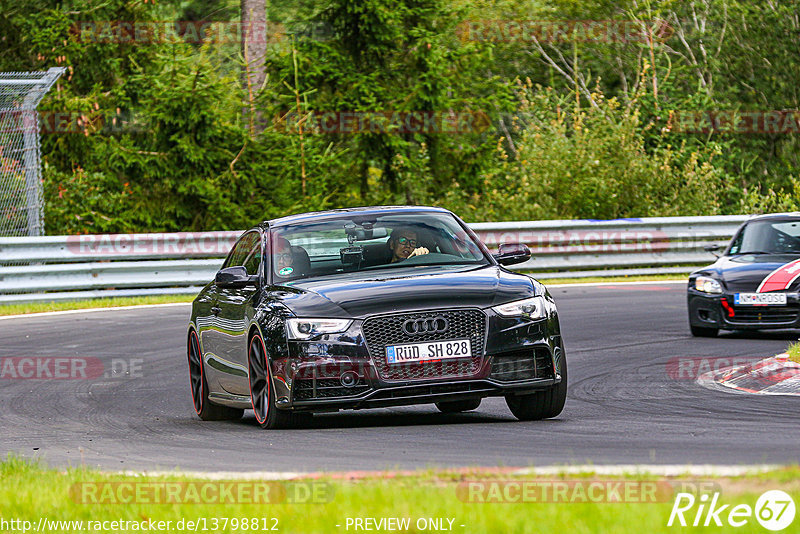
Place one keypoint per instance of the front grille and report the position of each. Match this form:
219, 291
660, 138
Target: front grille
388, 330
522, 365
764, 314
327, 388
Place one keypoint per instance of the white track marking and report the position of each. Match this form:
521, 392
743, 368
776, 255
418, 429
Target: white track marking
638, 283
92, 310
671, 470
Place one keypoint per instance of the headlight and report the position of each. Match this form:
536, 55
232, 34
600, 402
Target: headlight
707, 285
532, 308
308, 328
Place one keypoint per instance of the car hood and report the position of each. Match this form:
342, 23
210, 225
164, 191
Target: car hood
746, 272
358, 295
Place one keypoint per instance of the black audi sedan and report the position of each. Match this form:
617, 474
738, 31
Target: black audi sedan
372, 307
754, 284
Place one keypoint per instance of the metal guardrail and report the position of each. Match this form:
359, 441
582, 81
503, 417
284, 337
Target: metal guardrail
73, 267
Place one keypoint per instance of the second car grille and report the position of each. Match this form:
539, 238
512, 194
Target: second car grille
764, 314
388, 330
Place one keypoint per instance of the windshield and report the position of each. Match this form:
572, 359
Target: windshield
371, 242
768, 237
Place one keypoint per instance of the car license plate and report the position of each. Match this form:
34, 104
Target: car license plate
433, 350
759, 299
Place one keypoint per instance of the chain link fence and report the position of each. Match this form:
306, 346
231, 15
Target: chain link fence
21, 204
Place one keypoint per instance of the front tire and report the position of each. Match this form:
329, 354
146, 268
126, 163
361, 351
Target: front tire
197, 378
701, 331
262, 397
458, 406
541, 404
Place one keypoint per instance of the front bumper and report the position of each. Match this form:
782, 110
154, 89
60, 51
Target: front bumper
338, 371
424, 394
719, 311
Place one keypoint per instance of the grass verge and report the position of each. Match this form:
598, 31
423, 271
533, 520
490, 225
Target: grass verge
612, 279
794, 352
38, 307
326, 505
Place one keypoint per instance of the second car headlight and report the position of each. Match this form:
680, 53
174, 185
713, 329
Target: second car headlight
533, 308
308, 328
707, 285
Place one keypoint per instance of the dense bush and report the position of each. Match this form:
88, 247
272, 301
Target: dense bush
574, 129
590, 162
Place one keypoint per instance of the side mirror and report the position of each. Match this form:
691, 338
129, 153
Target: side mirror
712, 248
512, 253
233, 277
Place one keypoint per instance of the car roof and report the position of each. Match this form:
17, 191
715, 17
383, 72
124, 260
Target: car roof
776, 216
366, 210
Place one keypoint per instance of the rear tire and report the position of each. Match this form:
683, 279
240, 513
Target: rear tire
541, 404
701, 331
197, 378
458, 406
262, 397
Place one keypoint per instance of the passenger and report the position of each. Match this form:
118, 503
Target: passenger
403, 244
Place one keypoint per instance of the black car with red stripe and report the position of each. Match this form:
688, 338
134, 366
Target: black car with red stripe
372, 307
754, 284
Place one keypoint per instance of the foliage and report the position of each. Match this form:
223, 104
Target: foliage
590, 162
757, 200
164, 142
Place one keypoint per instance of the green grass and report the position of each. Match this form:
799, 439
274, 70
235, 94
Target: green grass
38, 307
794, 352
29, 491
612, 279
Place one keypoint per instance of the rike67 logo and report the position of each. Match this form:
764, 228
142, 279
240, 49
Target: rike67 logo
774, 510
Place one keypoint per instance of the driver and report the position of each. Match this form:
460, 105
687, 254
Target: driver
283, 257
403, 244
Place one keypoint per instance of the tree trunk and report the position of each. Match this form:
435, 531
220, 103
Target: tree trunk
254, 49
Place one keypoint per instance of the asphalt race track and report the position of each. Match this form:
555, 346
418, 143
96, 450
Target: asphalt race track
626, 402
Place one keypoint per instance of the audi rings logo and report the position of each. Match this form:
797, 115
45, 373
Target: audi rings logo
430, 325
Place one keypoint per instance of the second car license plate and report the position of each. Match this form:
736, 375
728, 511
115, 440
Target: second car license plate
759, 299
433, 350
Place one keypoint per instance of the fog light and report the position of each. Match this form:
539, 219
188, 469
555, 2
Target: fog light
348, 379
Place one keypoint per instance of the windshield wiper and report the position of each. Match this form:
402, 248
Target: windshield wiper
756, 252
